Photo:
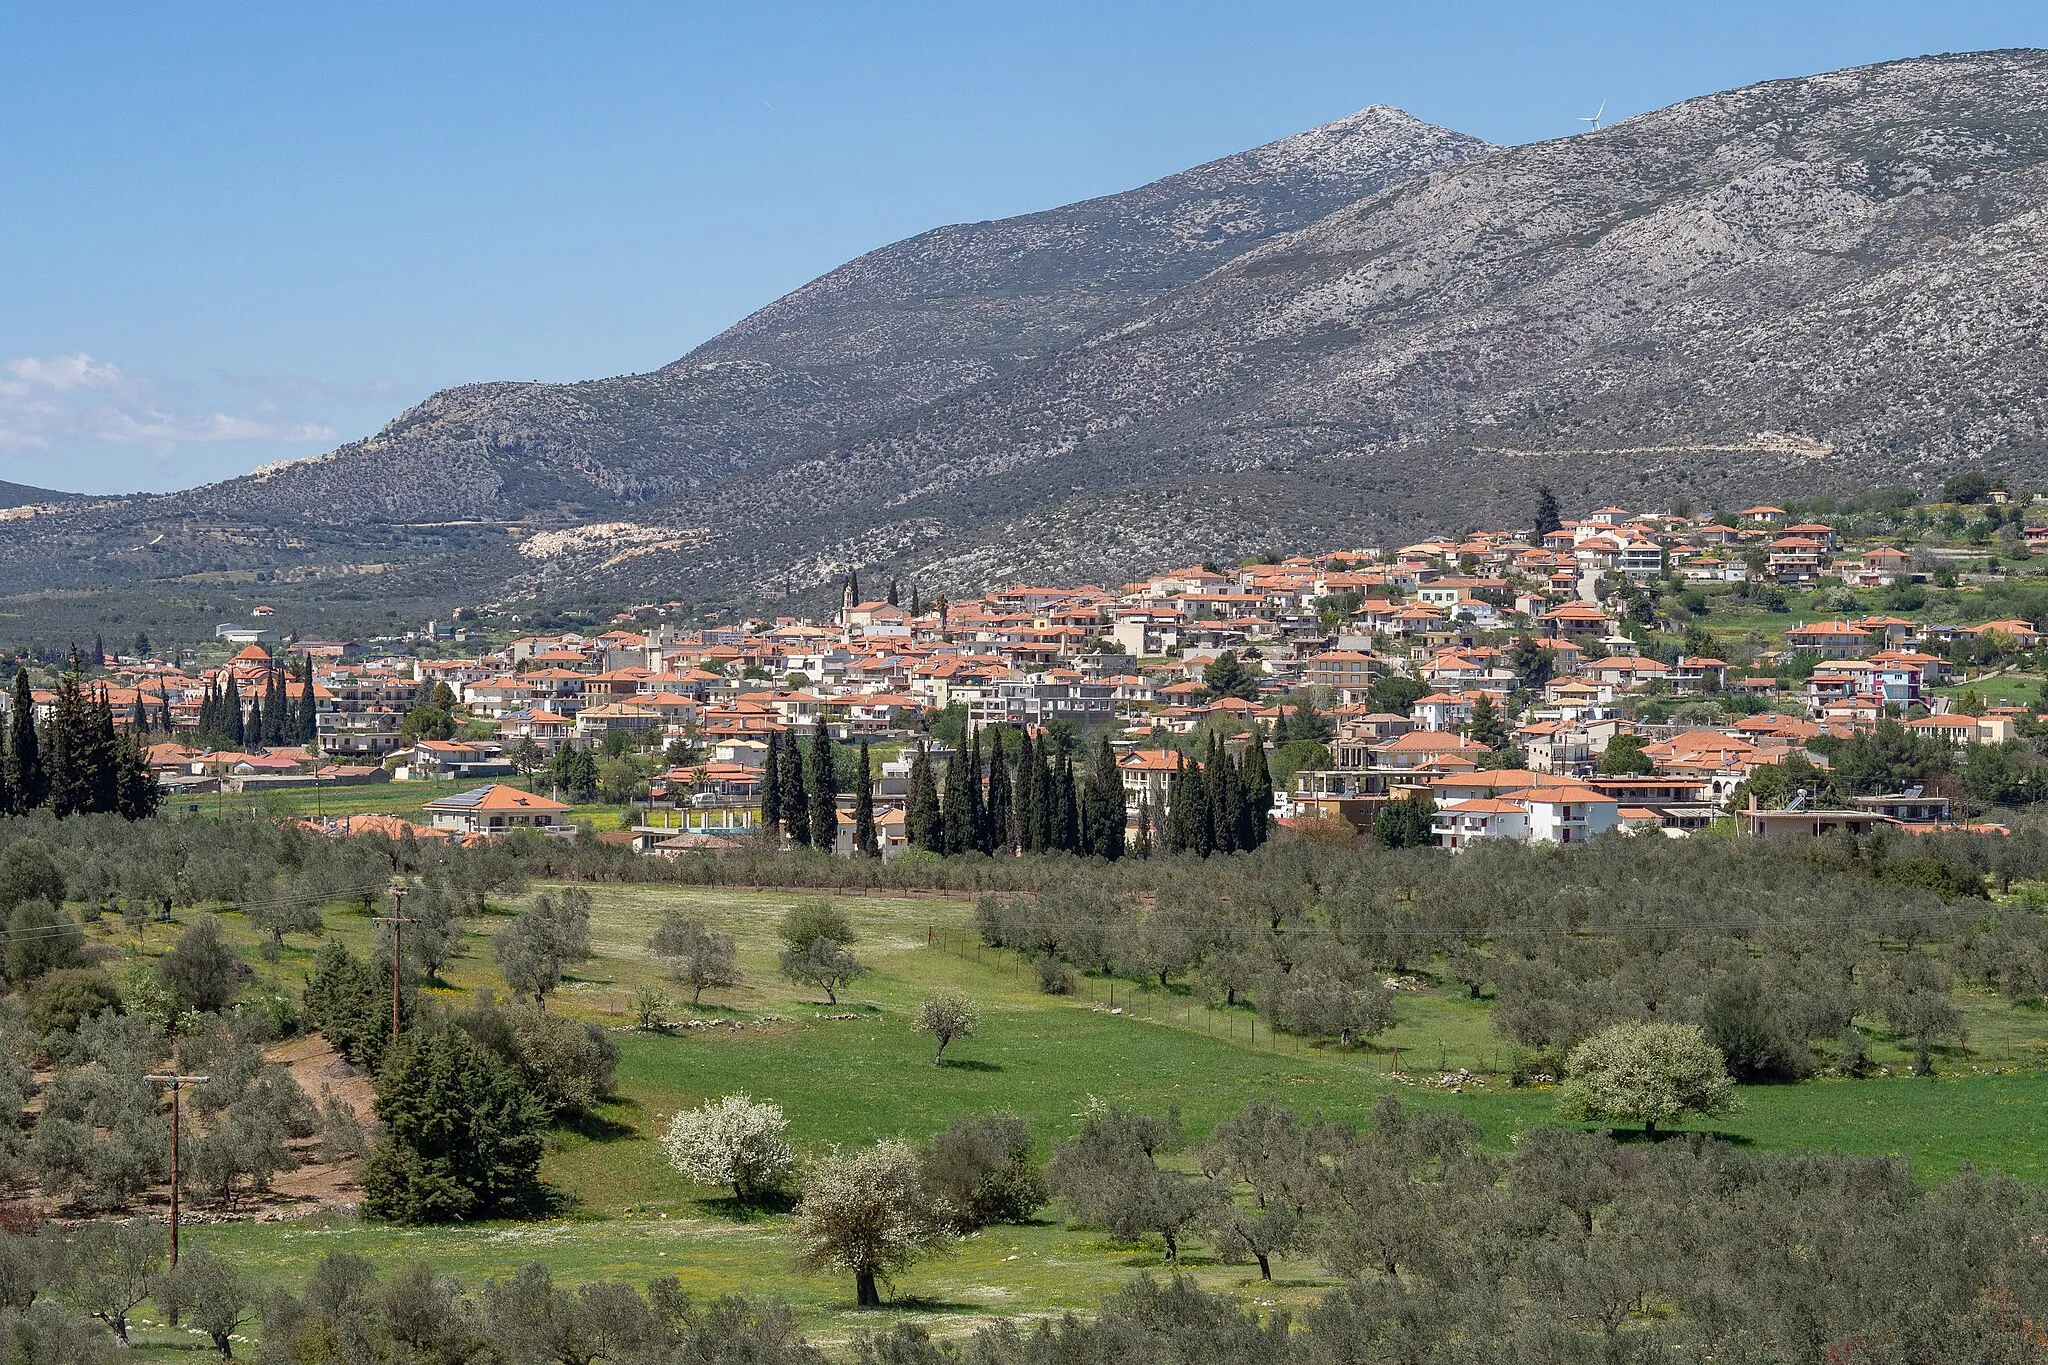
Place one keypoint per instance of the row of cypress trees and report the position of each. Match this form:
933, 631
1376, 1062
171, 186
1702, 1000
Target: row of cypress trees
1042, 805
1220, 804
800, 792
78, 762
274, 717
1035, 802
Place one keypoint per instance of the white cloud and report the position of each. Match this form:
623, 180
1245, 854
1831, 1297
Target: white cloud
48, 402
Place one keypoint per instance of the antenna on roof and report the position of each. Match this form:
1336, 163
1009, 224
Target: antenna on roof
1596, 117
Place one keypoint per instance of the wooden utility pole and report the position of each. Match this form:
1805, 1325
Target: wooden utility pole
397, 920
176, 1083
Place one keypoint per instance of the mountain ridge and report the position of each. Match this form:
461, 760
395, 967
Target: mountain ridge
1371, 330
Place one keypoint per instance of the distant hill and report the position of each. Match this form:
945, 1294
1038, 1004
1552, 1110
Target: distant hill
1372, 330
22, 495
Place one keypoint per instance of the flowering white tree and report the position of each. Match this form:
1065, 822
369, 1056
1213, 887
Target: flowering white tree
732, 1140
870, 1213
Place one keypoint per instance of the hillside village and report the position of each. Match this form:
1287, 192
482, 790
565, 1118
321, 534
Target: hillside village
1617, 670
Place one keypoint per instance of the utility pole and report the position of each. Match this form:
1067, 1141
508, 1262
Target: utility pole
397, 920
176, 1082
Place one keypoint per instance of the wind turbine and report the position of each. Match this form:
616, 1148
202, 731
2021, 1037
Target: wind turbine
1595, 119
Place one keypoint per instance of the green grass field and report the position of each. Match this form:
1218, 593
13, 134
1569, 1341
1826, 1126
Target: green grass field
851, 1080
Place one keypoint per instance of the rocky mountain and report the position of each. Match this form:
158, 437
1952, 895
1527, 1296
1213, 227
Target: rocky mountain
1803, 283
873, 341
1373, 330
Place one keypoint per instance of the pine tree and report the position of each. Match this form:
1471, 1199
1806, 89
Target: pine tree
771, 785
865, 844
136, 793
925, 820
27, 778
1002, 824
823, 785
1486, 726
796, 807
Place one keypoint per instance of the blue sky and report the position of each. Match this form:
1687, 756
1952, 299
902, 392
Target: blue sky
233, 234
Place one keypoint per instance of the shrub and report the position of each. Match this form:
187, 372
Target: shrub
982, 1168
66, 998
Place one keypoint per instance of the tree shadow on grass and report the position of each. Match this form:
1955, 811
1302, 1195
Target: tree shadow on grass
969, 1064
917, 1303
1624, 1137
596, 1127
767, 1204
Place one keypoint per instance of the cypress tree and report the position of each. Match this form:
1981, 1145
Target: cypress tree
277, 710
1141, 844
138, 719
796, 808
27, 778
255, 727
234, 726
865, 844
1103, 822
309, 707
771, 785
1068, 836
1026, 797
1258, 811
164, 717
101, 759
824, 788
69, 736
1002, 825
7, 806
958, 833
926, 823
1048, 796
1217, 786
978, 838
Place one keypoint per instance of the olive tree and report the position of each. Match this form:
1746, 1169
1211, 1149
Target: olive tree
210, 1294
1109, 1178
696, 957
732, 1140
112, 1268
1647, 1074
870, 1213
946, 1017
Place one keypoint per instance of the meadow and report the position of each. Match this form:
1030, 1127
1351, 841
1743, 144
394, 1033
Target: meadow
853, 1072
